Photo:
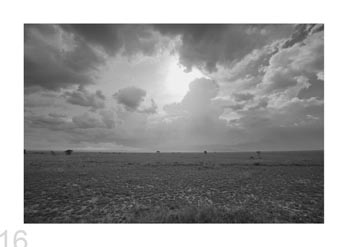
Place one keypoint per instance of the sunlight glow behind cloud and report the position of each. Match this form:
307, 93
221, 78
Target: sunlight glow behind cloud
177, 79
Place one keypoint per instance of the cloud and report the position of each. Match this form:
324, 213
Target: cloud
125, 39
41, 99
82, 97
53, 122
295, 68
293, 65
108, 118
130, 97
197, 100
62, 122
207, 46
301, 32
54, 59
86, 121
195, 119
62, 56
152, 109
242, 96
262, 86
102, 35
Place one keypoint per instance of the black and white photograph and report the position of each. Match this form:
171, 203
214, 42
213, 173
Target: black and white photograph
173, 123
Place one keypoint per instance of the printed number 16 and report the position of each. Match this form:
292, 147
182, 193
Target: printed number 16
16, 240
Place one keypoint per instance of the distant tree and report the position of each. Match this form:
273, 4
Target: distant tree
259, 154
53, 153
205, 152
158, 152
68, 152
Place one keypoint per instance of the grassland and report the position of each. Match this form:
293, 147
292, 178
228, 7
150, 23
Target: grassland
281, 187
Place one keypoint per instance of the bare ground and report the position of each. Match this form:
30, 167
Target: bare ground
128, 188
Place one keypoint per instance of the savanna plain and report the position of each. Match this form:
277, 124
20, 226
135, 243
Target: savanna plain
93, 187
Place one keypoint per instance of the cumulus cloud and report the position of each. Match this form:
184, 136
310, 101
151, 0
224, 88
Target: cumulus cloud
294, 64
197, 100
262, 86
61, 56
130, 97
83, 97
54, 59
298, 66
206, 46
196, 117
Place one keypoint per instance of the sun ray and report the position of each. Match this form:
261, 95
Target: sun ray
177, 80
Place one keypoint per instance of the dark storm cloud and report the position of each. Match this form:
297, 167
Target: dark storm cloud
83, 97
60, 56
130, 97
102, 35
301, 32
126, 39
206, 46
54, 59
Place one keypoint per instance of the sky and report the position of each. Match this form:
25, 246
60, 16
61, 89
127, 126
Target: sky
174, 88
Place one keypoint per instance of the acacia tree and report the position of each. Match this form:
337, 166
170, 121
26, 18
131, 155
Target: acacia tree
68, 152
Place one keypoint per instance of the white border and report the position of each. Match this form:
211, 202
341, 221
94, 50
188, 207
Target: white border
335, 16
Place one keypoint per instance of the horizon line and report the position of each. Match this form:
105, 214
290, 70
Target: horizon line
151, 152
